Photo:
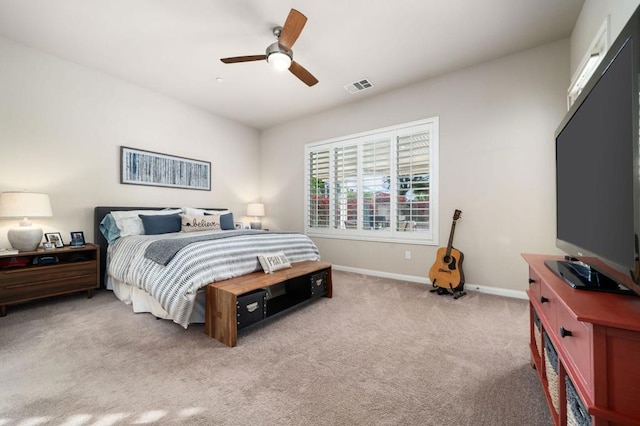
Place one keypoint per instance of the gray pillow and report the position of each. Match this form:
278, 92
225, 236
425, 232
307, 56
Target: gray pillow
226, 222
161, 224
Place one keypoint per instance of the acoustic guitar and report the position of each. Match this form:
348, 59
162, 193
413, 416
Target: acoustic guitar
446, 273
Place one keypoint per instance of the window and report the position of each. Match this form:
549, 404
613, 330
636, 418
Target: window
379, 185
596, 52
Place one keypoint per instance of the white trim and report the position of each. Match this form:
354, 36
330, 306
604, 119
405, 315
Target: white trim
516, 294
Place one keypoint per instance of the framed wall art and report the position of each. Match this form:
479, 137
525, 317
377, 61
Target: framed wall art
140, 167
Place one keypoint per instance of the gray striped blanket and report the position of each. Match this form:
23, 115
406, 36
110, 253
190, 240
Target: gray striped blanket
162, 251
202, 262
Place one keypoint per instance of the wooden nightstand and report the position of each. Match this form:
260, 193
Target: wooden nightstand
77, 269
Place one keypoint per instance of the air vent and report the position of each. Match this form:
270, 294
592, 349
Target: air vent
358, 86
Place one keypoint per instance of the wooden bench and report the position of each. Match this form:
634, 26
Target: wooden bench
288, 287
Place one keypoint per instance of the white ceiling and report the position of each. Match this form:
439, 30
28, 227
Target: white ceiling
174, 46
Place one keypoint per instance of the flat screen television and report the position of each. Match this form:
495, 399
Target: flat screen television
597, 177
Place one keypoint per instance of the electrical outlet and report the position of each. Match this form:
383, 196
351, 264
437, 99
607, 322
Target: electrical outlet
407, 255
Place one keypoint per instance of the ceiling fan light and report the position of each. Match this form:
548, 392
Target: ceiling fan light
279, 61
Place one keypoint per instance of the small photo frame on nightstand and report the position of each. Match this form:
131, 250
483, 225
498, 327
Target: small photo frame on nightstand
55, 238
77, 239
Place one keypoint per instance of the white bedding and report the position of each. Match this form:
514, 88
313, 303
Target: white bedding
173, 287
142, 302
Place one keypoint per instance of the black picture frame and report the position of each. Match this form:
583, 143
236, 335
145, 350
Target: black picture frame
55, 238
77, 239
140, 167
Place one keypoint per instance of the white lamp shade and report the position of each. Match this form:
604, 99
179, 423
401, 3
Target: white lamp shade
255, 209
24, 204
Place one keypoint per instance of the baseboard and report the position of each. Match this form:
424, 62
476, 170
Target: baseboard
517, 294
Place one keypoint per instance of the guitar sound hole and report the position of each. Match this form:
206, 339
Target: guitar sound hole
447, 259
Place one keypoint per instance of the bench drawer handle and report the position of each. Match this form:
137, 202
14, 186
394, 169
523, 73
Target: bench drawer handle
252, 306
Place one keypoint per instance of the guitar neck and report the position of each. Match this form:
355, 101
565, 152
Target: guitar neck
450, 244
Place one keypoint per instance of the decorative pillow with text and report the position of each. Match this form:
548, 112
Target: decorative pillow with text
200, 223
273, 262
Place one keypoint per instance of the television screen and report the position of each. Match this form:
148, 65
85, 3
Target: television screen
596, 170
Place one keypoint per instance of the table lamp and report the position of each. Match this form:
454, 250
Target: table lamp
24, 205
256, 210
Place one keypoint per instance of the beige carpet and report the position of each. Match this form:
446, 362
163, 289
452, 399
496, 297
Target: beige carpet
381, 352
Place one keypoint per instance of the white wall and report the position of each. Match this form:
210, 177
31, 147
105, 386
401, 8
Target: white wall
591, 18
497, 123
62, 125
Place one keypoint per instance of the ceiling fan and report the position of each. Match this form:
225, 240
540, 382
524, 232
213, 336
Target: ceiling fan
279, 54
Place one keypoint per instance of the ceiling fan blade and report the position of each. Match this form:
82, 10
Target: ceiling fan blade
304, 75
243, 59
292, 28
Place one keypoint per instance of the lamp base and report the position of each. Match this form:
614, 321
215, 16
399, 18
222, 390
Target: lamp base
25, 238
256, 225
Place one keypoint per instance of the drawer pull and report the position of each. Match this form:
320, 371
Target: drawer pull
565, 333
543, 299
531, 281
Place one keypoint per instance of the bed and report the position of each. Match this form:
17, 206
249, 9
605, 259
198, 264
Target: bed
165, 273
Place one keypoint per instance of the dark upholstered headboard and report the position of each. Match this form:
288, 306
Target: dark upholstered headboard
99, 214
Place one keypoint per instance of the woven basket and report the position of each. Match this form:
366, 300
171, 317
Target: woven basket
577, 415
551, 368
537, 334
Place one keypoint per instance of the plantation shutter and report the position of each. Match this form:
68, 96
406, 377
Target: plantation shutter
318, 189
378, 186
412, 177
376, 175
345, 187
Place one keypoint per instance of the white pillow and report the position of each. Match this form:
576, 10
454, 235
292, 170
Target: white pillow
200, 212
129, 222
273, 262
